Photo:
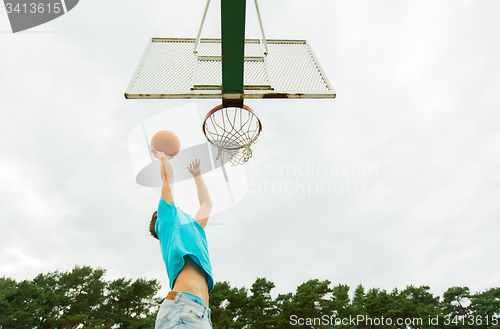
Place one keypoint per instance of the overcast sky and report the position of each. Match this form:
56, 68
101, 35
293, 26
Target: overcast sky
412, 139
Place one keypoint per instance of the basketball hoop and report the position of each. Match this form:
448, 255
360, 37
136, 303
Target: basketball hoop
232, 130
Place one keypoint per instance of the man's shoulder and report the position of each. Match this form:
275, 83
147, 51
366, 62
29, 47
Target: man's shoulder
162, 202
165, 207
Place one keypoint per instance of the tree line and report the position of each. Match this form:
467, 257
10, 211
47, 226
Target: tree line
82, 298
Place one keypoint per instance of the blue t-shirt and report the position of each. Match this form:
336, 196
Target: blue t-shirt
181, 235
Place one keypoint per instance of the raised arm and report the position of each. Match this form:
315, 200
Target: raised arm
167, 176
203, 195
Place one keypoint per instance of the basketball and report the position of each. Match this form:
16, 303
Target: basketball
167, 142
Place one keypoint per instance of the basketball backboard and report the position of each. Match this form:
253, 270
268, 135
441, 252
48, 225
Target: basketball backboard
182, 68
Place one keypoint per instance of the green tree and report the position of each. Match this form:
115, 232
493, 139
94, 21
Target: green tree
356, 308
80, 298
340, 299
8, 289
18, 307
378, 304
69, 299
131, 304
485, 307
455, 307
227, 305
342, 306
261, 309
285, 308
414, 306
309, 302
359, 300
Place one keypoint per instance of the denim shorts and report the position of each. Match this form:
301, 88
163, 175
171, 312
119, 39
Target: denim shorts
184, 311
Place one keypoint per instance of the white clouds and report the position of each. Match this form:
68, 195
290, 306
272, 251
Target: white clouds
31, 216
14, 261
417, 96
23, 195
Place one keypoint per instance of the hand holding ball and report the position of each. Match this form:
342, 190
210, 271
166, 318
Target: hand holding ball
166, 142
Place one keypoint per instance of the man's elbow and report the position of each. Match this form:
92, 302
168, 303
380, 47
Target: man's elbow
207, 205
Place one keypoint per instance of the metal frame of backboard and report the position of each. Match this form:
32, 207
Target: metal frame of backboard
170, 68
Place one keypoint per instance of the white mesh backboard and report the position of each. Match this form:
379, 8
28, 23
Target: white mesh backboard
169, 68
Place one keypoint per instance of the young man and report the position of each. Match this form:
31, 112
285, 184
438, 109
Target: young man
185, 252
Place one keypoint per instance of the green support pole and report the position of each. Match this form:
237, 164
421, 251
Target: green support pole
233, 45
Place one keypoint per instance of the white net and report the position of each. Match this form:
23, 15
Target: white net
232, 130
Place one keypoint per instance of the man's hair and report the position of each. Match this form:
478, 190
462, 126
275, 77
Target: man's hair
152, 224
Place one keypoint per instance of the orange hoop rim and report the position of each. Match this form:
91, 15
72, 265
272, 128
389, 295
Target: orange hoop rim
220, 107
